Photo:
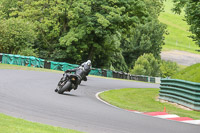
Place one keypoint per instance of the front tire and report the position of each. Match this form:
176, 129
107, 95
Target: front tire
66, 87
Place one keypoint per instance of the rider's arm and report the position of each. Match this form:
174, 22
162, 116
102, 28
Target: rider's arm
70, 70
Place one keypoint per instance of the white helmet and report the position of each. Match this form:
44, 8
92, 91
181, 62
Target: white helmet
89, 62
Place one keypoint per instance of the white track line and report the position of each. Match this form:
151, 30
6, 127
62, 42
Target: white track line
193, 122
97, 96
166, 116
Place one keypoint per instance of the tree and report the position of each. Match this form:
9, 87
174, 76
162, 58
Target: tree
103, 31
98, 29
118, 62
192, 15
145, 38
50, 18
146, 65
15, 35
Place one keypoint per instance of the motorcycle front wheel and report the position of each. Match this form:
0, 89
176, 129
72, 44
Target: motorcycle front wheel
66, 87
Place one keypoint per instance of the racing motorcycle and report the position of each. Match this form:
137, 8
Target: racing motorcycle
71, 81
67, 83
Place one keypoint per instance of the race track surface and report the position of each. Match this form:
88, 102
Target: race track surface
30, 95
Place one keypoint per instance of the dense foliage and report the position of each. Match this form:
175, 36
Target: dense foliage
146, 38
16, 35
150, 66
168, 68
111, 33
192, 15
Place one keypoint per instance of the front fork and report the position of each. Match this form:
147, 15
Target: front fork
62, 82
64, 78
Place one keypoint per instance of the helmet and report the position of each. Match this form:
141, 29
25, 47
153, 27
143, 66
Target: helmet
87, 66
89, 63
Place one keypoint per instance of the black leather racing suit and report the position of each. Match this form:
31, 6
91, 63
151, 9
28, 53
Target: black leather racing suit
82, 72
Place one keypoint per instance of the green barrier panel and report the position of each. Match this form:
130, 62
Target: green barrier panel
62, 66
25, 61
57, 65
36, 62
109, 73
152, 79
22, 60
179, 90
6, 59
182, 92
96, 71
70, 66
142, 78
189, 97
181, 101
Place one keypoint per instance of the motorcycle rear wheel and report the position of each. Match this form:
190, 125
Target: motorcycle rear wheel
66, 87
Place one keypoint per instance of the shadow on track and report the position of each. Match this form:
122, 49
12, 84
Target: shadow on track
67, 94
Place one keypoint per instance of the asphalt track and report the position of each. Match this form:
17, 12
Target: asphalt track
30, 95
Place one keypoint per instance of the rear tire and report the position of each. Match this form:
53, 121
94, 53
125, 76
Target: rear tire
66, 87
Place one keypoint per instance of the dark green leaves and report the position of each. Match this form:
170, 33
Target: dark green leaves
15, 35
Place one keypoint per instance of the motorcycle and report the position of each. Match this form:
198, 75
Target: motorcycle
67, 83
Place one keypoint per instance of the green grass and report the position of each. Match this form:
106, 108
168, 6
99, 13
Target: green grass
191, 73
8, 66
15, 125
144, 100
178, 31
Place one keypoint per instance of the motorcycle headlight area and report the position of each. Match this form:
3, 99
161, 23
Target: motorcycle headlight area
73, 79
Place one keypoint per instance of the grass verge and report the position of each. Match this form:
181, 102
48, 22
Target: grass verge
191, 73
15, 125
17, 67
144, 100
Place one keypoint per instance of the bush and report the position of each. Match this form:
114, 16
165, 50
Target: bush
168, 68
146, 65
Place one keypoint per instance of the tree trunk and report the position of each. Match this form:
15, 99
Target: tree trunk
91, 52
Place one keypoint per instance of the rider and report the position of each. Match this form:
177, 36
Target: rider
82, 71
87, 67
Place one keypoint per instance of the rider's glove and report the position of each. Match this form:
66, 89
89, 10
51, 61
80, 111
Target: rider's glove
66, 71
